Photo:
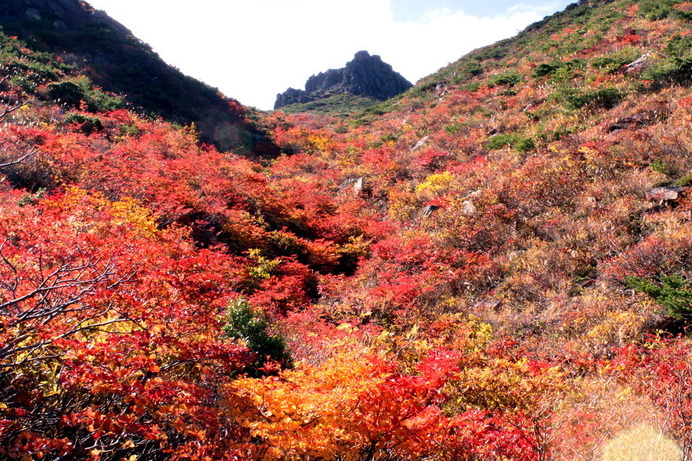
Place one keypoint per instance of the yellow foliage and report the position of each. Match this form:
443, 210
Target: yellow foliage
434, 185
507, 385
618, 327
317, 142
126, 212
263, 267
402, 204
129, 212
642, 443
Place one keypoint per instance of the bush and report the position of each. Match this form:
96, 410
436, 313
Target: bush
614, 62
605, 98
673, 292
510, 78
66, 92
512, 140
244, 323
672, 71
87, 124
653, 10
76, 91
546, 69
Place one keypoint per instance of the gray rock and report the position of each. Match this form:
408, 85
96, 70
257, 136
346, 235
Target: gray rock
365, 75
638, 64
664, 194
421, 143
33, 13
352, 185
468, 208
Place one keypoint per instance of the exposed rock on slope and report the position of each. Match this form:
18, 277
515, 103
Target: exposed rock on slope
365, 75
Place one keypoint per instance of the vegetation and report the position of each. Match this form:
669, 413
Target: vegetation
496, 265
249, 326
337, 105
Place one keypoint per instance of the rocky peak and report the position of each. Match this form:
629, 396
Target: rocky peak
365, 75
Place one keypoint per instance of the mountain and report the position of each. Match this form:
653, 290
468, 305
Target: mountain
495, 264
365, 76
116, 61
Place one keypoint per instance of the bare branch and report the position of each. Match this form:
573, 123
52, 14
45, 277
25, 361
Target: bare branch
20, 159
9, 107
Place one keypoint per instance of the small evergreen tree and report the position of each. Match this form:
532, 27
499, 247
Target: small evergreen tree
673, 291
249, 325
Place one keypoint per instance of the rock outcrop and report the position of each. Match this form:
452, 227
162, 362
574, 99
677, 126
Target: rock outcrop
365, 75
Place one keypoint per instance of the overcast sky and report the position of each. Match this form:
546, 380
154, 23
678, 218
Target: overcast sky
253, 49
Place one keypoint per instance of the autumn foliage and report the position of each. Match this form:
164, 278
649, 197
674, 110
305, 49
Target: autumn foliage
495, 266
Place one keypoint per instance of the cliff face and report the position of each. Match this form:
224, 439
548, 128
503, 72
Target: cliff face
365, 75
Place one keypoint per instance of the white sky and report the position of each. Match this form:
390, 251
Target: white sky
253, 49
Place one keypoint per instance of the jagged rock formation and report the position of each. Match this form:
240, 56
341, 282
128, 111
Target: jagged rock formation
365, 75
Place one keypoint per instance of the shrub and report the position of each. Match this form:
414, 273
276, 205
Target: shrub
66, 92
546, 69
604, 98
672, 71
512, 140
613, 62
510, 78
673, 292
87, 124
654, 10
244, 323
74, 92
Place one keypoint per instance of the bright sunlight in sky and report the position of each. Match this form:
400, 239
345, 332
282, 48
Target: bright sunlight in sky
253, 49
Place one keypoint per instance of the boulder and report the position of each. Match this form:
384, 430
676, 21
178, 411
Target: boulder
33, 13
664, 194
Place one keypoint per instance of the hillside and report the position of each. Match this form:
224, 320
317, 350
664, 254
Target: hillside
494, 265
106, 52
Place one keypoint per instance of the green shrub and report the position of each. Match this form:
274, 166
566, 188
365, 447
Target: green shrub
454, 128
604, 98
654, 10
679, 46
250, 326
525, 145
512, 140
101, 101
67, 92
87, 124
672, 291
546, 69
471, 87
685, 181
76, 91
509, 78
671, 71
614, 62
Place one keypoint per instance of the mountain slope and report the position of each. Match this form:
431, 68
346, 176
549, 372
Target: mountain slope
118, 62
495, 265
552, 142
